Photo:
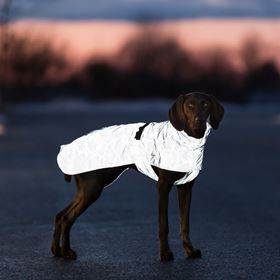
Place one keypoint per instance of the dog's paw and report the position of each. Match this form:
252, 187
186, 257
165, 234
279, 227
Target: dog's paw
166, 256
56, 251
69, 254
194, 253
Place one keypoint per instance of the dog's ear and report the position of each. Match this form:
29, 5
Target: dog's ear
217, 113
176, 113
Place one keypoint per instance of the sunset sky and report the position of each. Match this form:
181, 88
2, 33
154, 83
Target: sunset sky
99, 28
82, 40
143, 9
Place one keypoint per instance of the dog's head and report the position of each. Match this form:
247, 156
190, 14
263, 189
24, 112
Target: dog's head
191, 111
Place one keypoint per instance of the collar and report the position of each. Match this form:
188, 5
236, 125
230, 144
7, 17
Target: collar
184, 138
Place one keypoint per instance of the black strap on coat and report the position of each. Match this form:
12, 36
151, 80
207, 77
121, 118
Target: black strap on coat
140, 131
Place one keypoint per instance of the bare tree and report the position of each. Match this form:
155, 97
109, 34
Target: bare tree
4, 46
4, 21
251, 52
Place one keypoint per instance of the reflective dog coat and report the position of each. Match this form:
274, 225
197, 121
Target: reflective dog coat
145, 145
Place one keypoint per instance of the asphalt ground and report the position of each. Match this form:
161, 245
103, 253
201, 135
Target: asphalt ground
235, 211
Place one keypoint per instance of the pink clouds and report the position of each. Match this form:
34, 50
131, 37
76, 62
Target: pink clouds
85, 39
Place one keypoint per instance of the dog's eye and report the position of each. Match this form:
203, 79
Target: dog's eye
190, 106
205, 105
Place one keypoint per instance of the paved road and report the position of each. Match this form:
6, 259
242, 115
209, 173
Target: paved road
235, 212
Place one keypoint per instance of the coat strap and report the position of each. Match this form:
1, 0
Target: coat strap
140, 131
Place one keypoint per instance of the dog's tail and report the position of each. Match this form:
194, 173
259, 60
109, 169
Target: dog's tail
67, 178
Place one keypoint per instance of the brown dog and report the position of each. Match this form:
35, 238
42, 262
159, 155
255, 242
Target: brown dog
189, 114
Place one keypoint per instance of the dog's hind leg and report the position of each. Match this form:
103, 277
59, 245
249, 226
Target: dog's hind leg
90, 186
55, 248
86, 195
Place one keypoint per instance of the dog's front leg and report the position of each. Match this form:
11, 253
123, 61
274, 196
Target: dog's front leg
163, 189
184, 197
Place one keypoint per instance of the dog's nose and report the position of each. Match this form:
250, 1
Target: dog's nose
198, 120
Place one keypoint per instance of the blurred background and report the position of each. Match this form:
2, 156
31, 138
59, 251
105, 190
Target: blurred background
68, 67
139, 49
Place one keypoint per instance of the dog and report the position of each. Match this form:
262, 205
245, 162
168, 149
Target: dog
170, 152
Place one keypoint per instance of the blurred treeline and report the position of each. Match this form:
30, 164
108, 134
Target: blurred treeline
149, 65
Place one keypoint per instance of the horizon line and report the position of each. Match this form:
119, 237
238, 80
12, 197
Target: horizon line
152, 20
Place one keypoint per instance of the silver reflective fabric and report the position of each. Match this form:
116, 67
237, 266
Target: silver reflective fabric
160, 145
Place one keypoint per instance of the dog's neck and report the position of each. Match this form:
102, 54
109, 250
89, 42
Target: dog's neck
198, 134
